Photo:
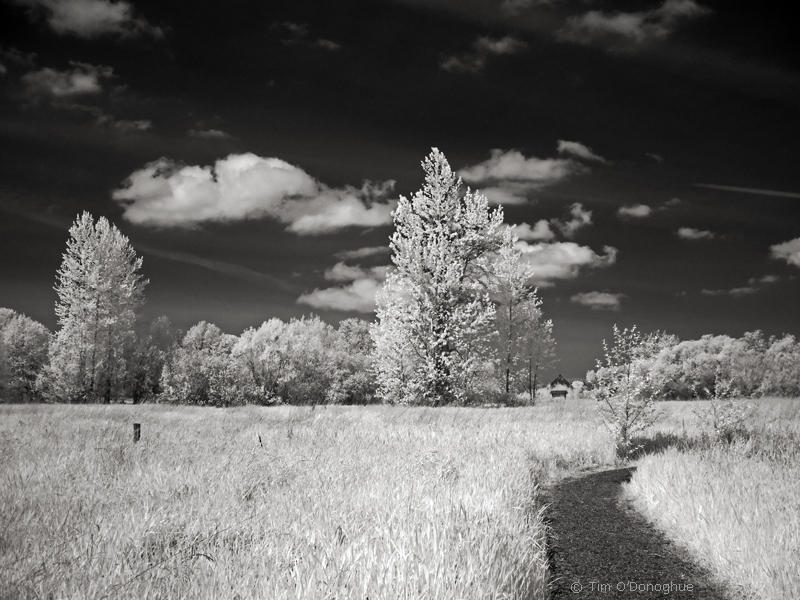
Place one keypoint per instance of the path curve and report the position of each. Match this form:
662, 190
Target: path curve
600, 547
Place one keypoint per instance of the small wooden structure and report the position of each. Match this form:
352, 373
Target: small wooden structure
559, 387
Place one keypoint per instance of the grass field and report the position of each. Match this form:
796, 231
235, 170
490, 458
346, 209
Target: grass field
333, 503
375, 502
735, 507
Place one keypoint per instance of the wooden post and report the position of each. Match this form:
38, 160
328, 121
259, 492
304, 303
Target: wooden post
137, 432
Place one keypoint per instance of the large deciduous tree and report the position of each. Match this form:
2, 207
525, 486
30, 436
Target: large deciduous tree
23, 352
99, 289
435, 310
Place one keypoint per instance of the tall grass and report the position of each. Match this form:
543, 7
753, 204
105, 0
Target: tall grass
331, 503
735, 507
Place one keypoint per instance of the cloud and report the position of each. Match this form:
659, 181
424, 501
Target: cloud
82, 79
358, 296
508, 193
598, 300
476, 58
511, 165
763, 279
788, 251
514, 7
627, 30
690, 233
365, 252
563, 260
125, 125
635, 211
91, 18
579, 150
747, 190
246, 186
209, 134
539, 232
293, 33
344, 272
580, 219
656, 157
736, 292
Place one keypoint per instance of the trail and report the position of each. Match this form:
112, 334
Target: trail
600, 547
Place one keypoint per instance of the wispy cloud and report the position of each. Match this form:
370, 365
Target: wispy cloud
365, 252
629, 30
358, 295
247, 186
735, 292
579, 150
91, 18
80, 79
599, 300
209, 134
475, 59
747, 190
294, 33
229, 269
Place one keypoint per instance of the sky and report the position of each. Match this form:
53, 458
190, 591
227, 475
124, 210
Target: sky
646, 152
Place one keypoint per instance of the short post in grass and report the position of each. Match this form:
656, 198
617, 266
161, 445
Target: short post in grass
137, 432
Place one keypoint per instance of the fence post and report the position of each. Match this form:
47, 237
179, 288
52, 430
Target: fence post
137, 432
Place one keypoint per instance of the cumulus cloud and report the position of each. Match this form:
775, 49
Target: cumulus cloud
635, 211
344, 272
81, 79
514, 166
788, 251
509, 177
247, 186
358, 296
365, 252
539, 232
690, 233
563, 260
627, 30
579, 150
91, 18
763, 279
598, 300
474, 60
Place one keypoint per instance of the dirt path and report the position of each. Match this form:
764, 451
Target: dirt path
601, 548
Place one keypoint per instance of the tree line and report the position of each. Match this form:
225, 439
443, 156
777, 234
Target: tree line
459, 320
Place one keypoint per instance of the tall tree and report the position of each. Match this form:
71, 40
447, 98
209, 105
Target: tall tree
442, 241
99, 289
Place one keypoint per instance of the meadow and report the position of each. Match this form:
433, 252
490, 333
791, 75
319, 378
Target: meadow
286, 502
364, 502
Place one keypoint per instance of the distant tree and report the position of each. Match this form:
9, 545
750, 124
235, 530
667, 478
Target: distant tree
540, 347
781, 367
442, 241
153, 350
201, 370
624, 388
99, 289
516, 299
354, 353
23, 353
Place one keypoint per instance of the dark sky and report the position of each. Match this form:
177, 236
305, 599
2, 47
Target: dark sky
197, 100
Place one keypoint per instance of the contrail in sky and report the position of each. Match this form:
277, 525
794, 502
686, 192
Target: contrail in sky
746, 190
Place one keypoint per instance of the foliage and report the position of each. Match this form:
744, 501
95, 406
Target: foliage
153, 351
624, 386
442, 321
201, 370
99, 290
23, 353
